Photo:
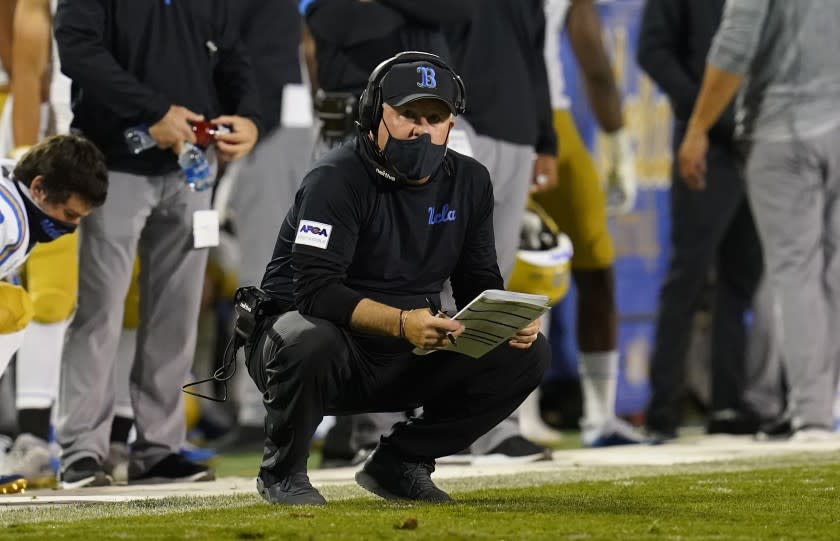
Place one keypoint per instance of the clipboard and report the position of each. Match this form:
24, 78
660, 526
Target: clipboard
492, 318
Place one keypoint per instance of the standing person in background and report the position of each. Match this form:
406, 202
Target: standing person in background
782, 57
50, 274
710, 229
124, 76
499, 53
579, 207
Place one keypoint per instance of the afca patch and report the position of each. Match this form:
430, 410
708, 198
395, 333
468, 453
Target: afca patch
313, 234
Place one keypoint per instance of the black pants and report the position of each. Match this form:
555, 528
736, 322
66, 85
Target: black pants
710, 229
308, 367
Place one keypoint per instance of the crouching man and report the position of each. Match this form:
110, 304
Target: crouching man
376, 228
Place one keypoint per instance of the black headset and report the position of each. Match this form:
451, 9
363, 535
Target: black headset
370, 104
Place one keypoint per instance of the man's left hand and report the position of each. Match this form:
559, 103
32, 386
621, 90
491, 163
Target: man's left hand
545, 173
527, 336
692, 158
239, 141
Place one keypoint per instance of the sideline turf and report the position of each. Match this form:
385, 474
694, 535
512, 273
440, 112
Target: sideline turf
791, 499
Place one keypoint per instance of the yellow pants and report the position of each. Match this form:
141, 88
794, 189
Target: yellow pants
578, 203
15, 308
51, 276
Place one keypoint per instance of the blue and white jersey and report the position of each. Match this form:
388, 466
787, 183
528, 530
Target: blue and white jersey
14, 225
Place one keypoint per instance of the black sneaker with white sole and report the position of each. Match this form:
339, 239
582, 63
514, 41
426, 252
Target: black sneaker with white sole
85, 472
392, 477
173, 469
515, 449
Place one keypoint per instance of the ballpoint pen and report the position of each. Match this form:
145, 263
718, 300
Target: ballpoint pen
437, 313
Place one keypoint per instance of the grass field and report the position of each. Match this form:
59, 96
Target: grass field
790, 497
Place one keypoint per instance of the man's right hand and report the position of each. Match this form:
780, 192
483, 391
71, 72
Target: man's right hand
426, 331
174, 128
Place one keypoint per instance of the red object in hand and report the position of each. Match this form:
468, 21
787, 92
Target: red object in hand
205, 132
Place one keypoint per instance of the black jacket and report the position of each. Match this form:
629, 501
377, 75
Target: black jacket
499, 54
350, 235
353, 37
271, 32
674, 40
130, 60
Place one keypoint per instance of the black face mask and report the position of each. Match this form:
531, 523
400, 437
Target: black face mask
42, 228
415, 158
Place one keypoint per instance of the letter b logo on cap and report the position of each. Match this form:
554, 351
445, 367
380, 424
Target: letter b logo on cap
427, 77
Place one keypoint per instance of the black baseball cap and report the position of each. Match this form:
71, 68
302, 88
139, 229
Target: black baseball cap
409, 82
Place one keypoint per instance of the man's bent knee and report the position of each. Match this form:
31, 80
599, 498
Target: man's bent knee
307, 342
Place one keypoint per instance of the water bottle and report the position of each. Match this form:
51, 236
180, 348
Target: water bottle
196, 168
138, 139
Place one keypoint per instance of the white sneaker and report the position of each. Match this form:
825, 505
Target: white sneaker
9, 484
29, 457
614, 431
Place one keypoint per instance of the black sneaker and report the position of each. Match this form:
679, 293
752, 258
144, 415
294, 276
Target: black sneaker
173, 469
732, 422
85, 472
390, 477
292, 490
515, 449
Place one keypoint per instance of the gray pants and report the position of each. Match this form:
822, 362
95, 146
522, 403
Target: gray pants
794, 190
765, 390
152, 215
264, 190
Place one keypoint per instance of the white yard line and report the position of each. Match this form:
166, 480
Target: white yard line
692, 450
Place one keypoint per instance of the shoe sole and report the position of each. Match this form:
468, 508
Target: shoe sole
491, 460
99, 479
200, 477
18, 486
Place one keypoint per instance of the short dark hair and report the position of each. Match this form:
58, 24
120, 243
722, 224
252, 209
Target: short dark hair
68, 164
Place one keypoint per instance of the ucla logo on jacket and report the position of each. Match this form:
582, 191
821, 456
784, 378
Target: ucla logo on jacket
313, 234
445, 215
